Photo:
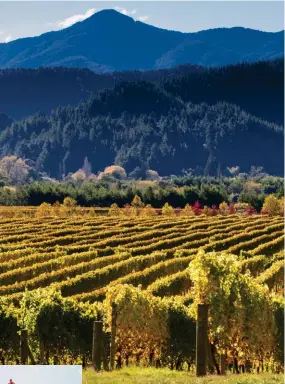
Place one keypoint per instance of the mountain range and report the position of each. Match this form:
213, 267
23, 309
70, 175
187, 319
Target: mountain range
110, 41
147, 98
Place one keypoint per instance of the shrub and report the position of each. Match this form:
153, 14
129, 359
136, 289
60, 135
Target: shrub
214, 210
114, 210
148, 211
131, 211
56, 208
45, 209
206, 210
197, 208
137, 202
114, 171
231, 209
223, 207
187, 211
69, 205
69, 202
241, 207
250, 210
271, 205
92, 212
167, 210
152, 175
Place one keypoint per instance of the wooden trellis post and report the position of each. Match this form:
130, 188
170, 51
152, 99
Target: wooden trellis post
223, 361
113, 336
24, 348
106, 350
97, 347
202, 340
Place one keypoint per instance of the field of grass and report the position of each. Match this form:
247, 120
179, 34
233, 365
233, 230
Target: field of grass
165, 376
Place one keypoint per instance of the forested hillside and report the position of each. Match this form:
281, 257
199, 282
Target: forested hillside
25, 92
140, 124
256, 87
167, 120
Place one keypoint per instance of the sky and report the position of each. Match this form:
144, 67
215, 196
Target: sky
37, 374
32, 18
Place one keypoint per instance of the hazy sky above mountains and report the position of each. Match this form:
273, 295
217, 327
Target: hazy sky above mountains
22, 19
45, 374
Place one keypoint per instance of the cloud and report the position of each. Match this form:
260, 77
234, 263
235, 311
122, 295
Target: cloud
142, 18
8, 38
132, 12
4, 38
125, 11
75, 18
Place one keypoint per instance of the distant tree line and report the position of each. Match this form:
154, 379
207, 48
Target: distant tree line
114, 186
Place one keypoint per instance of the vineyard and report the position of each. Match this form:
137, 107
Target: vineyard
60, 273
